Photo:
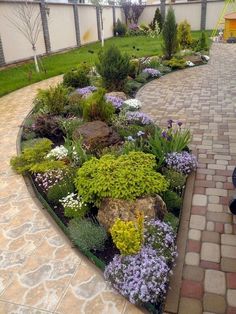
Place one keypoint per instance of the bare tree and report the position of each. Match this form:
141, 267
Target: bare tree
27, 20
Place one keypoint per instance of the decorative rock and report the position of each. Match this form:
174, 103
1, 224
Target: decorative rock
117, 94
210, 252
197, 60
215, 282
111, 209
96, 134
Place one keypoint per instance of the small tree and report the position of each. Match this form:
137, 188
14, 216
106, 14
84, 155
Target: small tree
132, 11
27, 19
157, 19
169, 33
184, 34
202, 43
113, 67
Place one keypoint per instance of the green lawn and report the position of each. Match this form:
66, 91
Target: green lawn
19, 76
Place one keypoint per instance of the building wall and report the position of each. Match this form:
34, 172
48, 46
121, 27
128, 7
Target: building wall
61, 25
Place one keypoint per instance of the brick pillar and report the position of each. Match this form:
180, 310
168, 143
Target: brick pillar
114, 16
77, 29
98, 23
203, 14
44, 19
2, 58
163, 9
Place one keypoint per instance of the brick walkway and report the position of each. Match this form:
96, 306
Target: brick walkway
39, 271
204, 98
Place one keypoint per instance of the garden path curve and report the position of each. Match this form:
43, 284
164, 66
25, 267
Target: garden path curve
204, 98
39, 271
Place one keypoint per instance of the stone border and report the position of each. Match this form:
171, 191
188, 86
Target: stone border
173, 295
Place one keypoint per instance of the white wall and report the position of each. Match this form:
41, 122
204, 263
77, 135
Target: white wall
61, 26
189, 11
15, 45
88, 24
107, 22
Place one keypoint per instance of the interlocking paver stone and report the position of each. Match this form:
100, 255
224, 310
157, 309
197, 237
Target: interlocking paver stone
197, 222
228, 251
214, 303
192, 259
194, 234
228, 239
231, 297
215, 282
210, 252
199, 200
189, 305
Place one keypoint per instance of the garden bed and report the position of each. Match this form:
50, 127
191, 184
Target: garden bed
108, 175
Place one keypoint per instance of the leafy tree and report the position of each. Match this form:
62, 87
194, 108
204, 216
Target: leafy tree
157, 19
169, 33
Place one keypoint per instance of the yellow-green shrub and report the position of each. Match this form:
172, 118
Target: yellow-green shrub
128, 235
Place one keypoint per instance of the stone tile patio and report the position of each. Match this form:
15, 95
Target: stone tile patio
204, 98
41, 273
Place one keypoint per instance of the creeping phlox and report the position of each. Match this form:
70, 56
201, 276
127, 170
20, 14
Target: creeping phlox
58, 153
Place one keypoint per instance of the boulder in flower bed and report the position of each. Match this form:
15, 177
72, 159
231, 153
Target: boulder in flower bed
96, 134
111, 209
195, 59
117, 94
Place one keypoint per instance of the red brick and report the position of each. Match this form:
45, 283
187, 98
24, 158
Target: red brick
205, 184
206, 171
199, 190
227, 173
192, 289
198, 210
231, 310
219, 227
231, 280
209, 265
200, 176
228, 186
224, 200
193, 246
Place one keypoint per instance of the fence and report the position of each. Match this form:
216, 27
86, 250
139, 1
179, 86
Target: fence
67, 26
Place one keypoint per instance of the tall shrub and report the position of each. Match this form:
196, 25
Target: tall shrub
169, 33
184, 34
157, 19
113, 66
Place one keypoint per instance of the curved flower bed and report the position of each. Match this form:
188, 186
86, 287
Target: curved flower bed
113, 180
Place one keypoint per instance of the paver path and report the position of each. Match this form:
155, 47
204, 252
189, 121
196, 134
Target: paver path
39, 271
204, 98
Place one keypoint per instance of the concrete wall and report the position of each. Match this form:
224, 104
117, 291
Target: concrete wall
64, 29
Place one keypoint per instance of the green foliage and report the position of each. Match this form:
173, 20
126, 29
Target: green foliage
128, 235
202, 43
31, 156
77, 77
113, 66
69, 125
172, 220
172, 140
169, 33
157, 19
76, 153
96, 107
114, 177
120, 28
142, 78
47, 165
134, 68
154, 63
87, 235
75, 105
176, 63
184, 34
176, 179
61, 189
52, 100
30, 142
173, 200
131, 87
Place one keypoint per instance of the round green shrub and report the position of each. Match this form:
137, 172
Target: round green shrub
87, 235
173, 201
77, 77
126, 177
176, 179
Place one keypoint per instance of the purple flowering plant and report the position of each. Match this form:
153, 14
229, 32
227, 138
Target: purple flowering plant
183, 162
152, 72
47, 179
117, 102
161, 237
168, 140
141, 278
138, 117
86, 90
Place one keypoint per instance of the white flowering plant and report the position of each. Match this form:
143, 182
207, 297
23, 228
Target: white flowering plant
73, 206
132, 104
58, 153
